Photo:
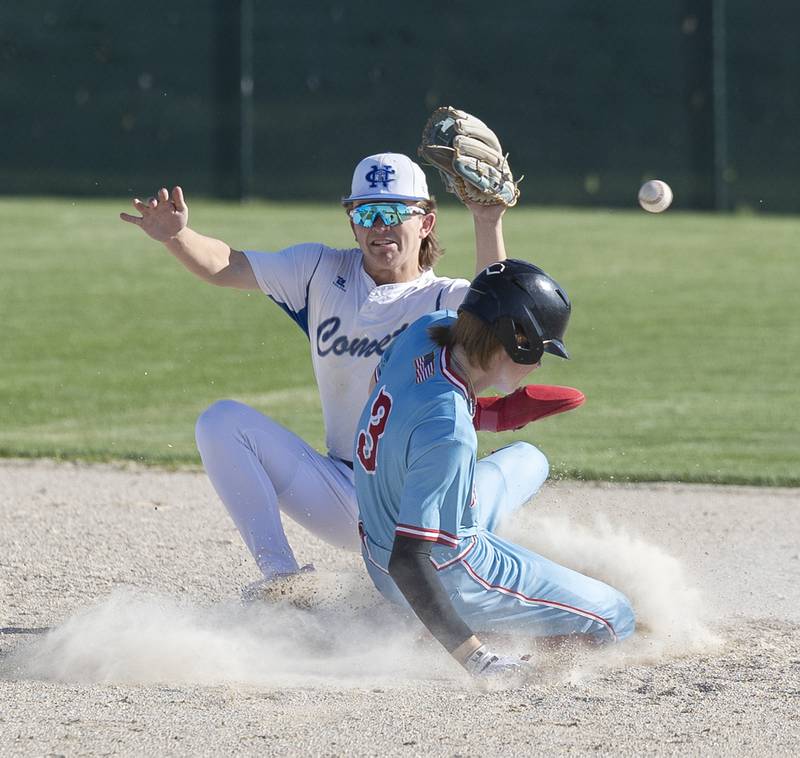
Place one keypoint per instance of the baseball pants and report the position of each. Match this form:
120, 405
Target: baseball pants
502, 587
497, 586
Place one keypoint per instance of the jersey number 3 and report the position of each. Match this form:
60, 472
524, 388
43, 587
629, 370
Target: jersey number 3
367, 447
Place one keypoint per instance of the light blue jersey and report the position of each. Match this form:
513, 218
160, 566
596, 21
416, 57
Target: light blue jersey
425, 451
416, 476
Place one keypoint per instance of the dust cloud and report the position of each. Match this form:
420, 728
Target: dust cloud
336, 630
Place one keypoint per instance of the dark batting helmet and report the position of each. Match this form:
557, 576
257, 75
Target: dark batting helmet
517, 298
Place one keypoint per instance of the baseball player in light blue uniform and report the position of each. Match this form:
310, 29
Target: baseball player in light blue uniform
415, 472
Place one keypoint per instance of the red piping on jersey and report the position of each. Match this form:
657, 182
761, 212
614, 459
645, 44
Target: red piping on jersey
429, 535
437, 566
539, 601
459, 557
449, 373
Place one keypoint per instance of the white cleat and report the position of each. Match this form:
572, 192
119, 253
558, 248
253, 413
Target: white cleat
298, 588
308, 589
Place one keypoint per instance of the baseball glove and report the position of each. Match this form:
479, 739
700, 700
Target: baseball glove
469, 158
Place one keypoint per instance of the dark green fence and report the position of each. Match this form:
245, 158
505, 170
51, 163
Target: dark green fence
274, 99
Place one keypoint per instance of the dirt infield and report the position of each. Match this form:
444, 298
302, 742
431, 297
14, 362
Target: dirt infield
121, 630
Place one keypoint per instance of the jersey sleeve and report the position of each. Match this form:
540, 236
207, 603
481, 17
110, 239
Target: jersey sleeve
286, 276
438, 485
453, 294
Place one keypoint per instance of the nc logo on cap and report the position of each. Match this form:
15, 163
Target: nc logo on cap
379, 175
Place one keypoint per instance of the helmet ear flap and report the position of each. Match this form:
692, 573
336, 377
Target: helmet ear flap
535, 335
508, 332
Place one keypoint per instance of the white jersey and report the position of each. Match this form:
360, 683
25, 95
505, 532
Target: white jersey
349, 320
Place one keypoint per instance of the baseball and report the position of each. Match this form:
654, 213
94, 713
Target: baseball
655, 196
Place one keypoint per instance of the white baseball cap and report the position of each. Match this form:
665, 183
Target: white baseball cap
388, 176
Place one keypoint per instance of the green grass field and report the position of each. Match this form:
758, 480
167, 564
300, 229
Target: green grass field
684, 336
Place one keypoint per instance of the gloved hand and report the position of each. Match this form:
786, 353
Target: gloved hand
499, 414
482, 663
469, 157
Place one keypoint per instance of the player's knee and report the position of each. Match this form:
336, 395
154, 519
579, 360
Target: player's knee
218, 419
537, 460
533, 465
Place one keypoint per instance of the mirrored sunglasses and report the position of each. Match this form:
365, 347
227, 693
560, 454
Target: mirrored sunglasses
391, 214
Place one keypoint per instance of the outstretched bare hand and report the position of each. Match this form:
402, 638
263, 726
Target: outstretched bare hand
163, 216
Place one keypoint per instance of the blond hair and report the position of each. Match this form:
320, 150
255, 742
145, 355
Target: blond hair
430, 250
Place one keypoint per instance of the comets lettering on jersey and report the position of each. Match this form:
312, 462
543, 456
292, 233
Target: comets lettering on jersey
424, 367
329, 341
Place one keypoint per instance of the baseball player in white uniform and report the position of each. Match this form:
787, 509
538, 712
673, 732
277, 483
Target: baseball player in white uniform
350, 304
